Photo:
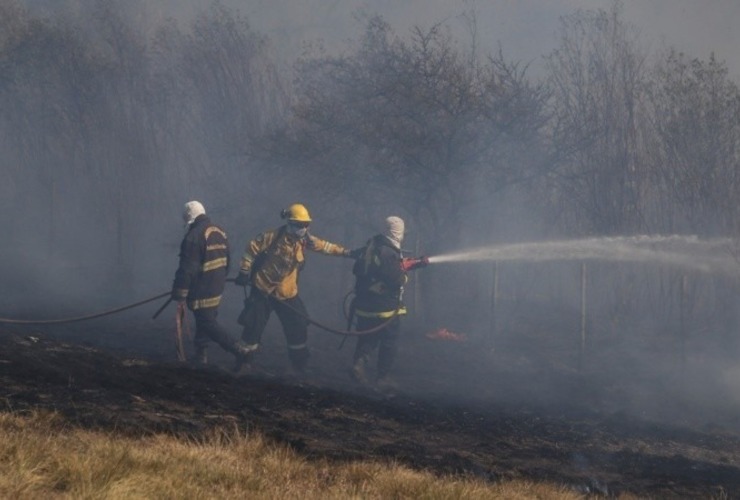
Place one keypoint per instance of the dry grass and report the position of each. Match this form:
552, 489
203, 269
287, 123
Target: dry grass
41, 457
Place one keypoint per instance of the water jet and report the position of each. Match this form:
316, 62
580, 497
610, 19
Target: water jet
688, 252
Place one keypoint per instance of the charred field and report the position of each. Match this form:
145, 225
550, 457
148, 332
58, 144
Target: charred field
460, 409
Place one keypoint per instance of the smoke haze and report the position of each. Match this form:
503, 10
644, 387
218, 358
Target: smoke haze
116, 113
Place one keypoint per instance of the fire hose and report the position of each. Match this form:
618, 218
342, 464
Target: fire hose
346, 333
82, 318
162, 308
407, 264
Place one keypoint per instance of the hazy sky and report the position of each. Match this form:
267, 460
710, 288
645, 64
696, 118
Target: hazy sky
525, 28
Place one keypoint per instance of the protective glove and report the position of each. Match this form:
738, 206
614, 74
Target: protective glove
310, 242
179, 295
242, 279
354, 254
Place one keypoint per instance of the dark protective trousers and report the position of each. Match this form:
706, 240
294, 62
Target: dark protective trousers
385, 340
207, 329
292, 315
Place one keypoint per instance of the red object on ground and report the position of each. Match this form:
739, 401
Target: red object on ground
445, 334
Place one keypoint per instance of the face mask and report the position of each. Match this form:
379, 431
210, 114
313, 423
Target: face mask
298, 231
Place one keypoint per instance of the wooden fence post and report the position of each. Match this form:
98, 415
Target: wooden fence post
583, 314
494, 304
683, 320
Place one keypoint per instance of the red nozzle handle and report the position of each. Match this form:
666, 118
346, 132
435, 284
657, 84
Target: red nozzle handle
411, 263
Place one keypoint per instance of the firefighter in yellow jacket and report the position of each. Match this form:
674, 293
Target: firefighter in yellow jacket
271, 264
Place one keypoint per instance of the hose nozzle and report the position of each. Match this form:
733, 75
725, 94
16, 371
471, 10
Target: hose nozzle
411, 263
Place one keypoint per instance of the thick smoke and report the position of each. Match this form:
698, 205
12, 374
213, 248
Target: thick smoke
526, 194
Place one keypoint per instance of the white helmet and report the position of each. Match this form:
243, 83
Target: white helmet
192, 210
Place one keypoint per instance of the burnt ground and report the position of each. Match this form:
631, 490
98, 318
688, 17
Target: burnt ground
461, 408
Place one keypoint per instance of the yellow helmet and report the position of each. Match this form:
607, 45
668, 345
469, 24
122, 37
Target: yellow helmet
296, 213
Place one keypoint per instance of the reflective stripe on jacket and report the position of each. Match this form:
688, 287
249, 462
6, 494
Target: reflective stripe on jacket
401, 311
279, 256
204, 264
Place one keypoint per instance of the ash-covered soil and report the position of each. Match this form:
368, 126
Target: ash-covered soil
461, 407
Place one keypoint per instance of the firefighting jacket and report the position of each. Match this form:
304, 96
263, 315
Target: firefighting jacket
276, 257
379, 280
204, 264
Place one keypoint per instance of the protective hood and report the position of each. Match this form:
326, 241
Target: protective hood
192, 210
394, 230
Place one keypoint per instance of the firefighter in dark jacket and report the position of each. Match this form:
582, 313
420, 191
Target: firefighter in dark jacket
200, 279
379, 283
271, 264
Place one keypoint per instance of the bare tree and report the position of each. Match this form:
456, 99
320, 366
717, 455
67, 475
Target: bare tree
219, 92
413, 123
107, 127
697, 155
598, 77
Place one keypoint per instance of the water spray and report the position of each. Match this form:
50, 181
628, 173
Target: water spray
713, 255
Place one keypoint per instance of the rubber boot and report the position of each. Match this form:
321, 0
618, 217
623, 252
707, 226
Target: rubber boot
298, 361
358, 371
386, 384
243, 357
201, 355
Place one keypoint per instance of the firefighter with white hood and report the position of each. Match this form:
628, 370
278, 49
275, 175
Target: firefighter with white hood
380, 272
200, 279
